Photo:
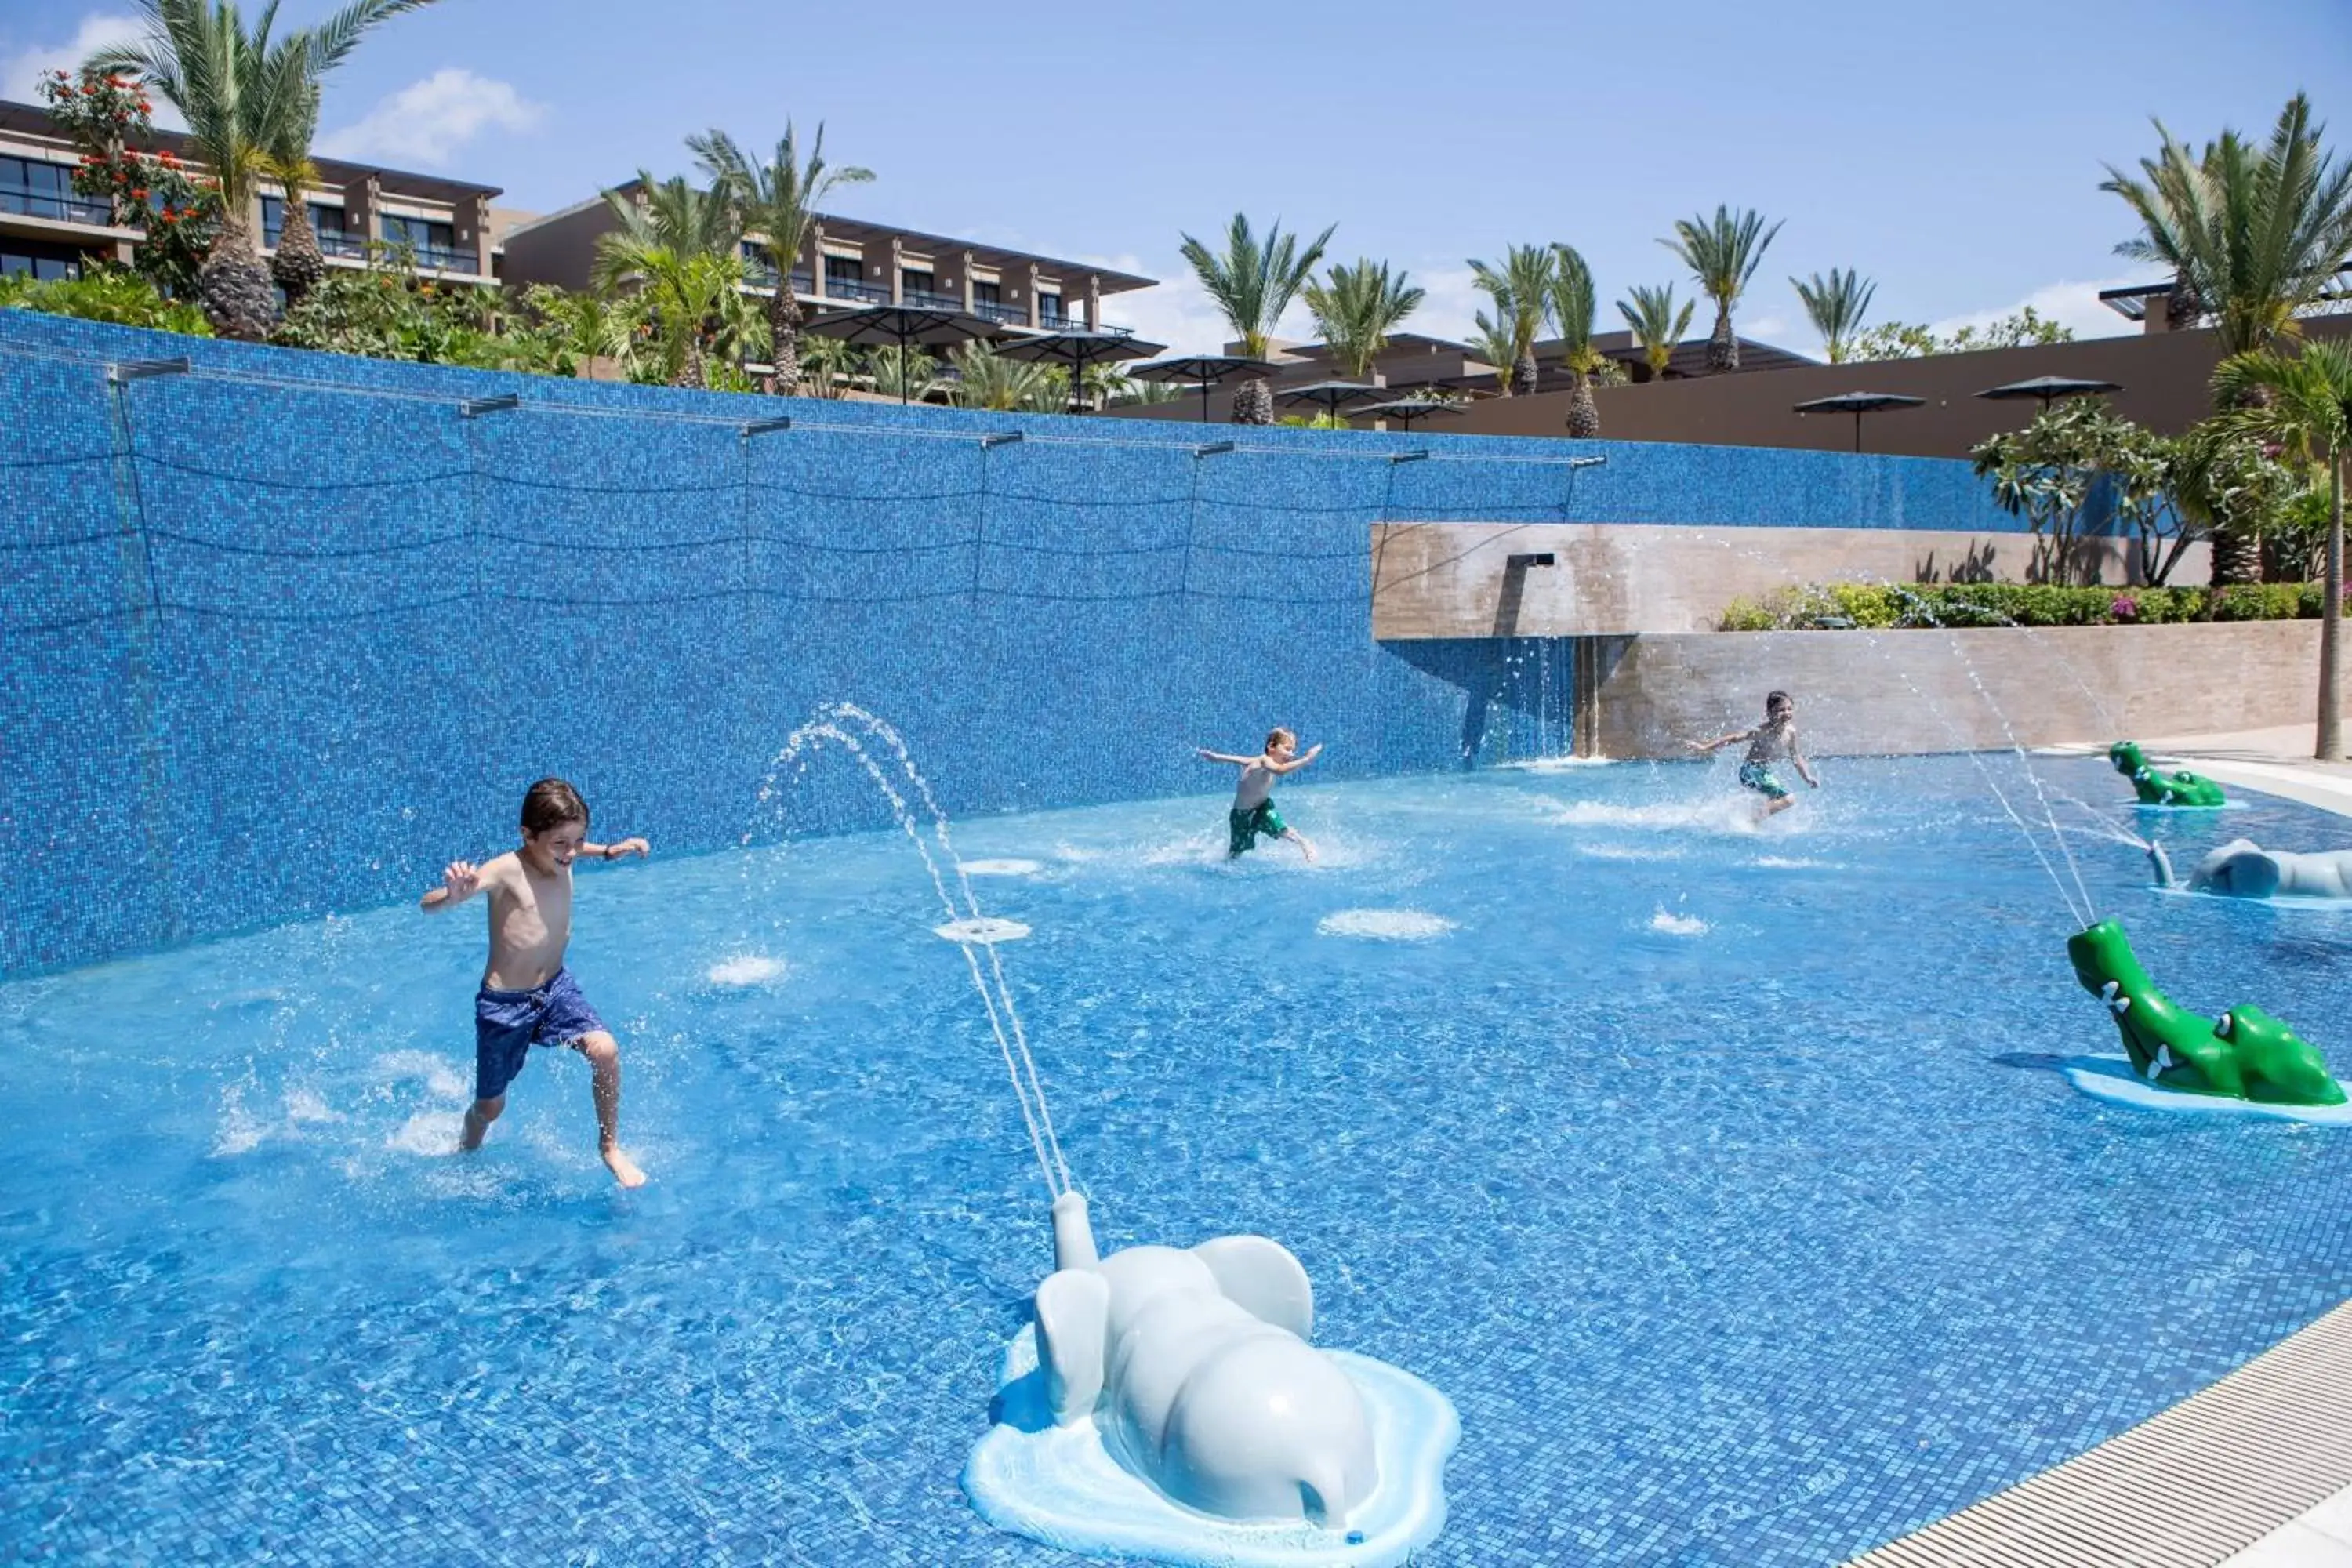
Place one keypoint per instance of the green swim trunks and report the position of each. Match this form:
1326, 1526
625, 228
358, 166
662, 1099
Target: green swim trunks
1245, 826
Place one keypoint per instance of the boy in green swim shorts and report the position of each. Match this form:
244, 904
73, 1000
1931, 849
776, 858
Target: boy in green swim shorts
1766, 743
1253, 813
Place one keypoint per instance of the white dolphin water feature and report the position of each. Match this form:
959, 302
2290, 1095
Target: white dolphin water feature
1166, 1402
2244, 870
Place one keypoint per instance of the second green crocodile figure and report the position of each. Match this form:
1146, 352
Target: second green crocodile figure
2181, 788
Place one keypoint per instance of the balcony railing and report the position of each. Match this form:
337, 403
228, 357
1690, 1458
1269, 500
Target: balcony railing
1007, 315
447, 260
930, 300
343, 245
848, 289
64, 209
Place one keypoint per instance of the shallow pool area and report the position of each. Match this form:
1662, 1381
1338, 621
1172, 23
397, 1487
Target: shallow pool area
1725, 1178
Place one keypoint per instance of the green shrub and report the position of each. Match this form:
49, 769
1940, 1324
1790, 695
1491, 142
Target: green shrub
1870, 607
113, 294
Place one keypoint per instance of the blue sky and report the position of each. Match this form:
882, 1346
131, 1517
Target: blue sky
1953, 153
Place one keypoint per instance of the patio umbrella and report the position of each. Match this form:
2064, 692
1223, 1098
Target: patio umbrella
901, 327
1074, 352
2049, 388
1858, 404
1405, 410
1332, 395
1206, 369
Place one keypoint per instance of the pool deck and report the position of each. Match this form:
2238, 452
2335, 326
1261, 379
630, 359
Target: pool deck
2252, 1472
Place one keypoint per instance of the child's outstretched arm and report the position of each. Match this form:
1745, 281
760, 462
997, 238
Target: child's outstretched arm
460, 879
1210, 756
1721, 740
1298, 761
615, 852
1804, 768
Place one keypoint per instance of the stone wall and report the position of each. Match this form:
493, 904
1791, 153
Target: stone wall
1883, 693
1485, 579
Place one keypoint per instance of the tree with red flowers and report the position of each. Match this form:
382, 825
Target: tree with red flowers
111, 121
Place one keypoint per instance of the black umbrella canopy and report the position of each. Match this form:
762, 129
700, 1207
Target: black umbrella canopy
1206, 369
1405, 410
1332, 395
2050, 387
900, 327
1074, 352
1858, 404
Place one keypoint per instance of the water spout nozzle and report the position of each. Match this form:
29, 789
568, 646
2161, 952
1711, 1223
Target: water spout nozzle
1073, 1233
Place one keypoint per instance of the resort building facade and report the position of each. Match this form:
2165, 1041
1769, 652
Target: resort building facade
850, 262
47, 230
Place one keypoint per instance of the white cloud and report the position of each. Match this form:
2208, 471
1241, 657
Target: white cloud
426, 121
2071, 304
21, 73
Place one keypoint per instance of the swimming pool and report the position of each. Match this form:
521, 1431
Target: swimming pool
1721, 1178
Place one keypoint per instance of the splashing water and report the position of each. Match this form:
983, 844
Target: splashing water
967, 926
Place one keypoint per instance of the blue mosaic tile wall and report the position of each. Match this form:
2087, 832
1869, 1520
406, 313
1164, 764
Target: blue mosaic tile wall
285, 634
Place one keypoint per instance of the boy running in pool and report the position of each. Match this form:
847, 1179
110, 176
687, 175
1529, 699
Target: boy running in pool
1766, 743
528, 997
1253, 811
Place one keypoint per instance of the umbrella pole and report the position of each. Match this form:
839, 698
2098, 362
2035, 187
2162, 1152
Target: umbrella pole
1206, 385
1857, 429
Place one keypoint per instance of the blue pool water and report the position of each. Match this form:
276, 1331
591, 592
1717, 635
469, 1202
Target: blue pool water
1724, 1179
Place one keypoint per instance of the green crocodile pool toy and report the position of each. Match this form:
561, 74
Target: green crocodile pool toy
2244, 1054
2181, 788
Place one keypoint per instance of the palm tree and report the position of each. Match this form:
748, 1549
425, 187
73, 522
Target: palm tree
1836, 304
2308, 411
1723, 255
820, 361
1497, 343
1356, 310
1521, 287
299, 264
1571, 308
986, 379
1657, 326
2251, 237
246, 98
677, 247
1253, 283
910, 374
778, 203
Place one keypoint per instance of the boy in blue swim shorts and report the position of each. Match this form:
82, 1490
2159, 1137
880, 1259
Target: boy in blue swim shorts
1253, 815
528, 999
1769, 742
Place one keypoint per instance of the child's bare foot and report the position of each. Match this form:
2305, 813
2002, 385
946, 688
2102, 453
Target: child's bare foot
624, 1169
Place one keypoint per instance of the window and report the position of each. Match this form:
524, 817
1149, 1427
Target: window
326, 224
1049, 306
845, 279
916, 282
40, 259
435, 244
985, 293
36, 189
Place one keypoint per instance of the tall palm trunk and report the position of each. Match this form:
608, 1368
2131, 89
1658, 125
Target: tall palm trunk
2238, 539
1722, 347
299, 264
233, 285
1523, 374
2331, 617
691, 370
1254, 403
785, 332
1583, 414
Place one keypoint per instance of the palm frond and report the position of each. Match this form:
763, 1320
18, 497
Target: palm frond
1356, 307
1837, 305
1722, 252
1253, 280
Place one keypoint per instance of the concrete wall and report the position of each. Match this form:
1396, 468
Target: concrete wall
2164, 378
1886, 693
1487, 579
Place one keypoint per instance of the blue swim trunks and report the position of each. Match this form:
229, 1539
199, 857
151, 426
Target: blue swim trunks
507, 1024
1758, 777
